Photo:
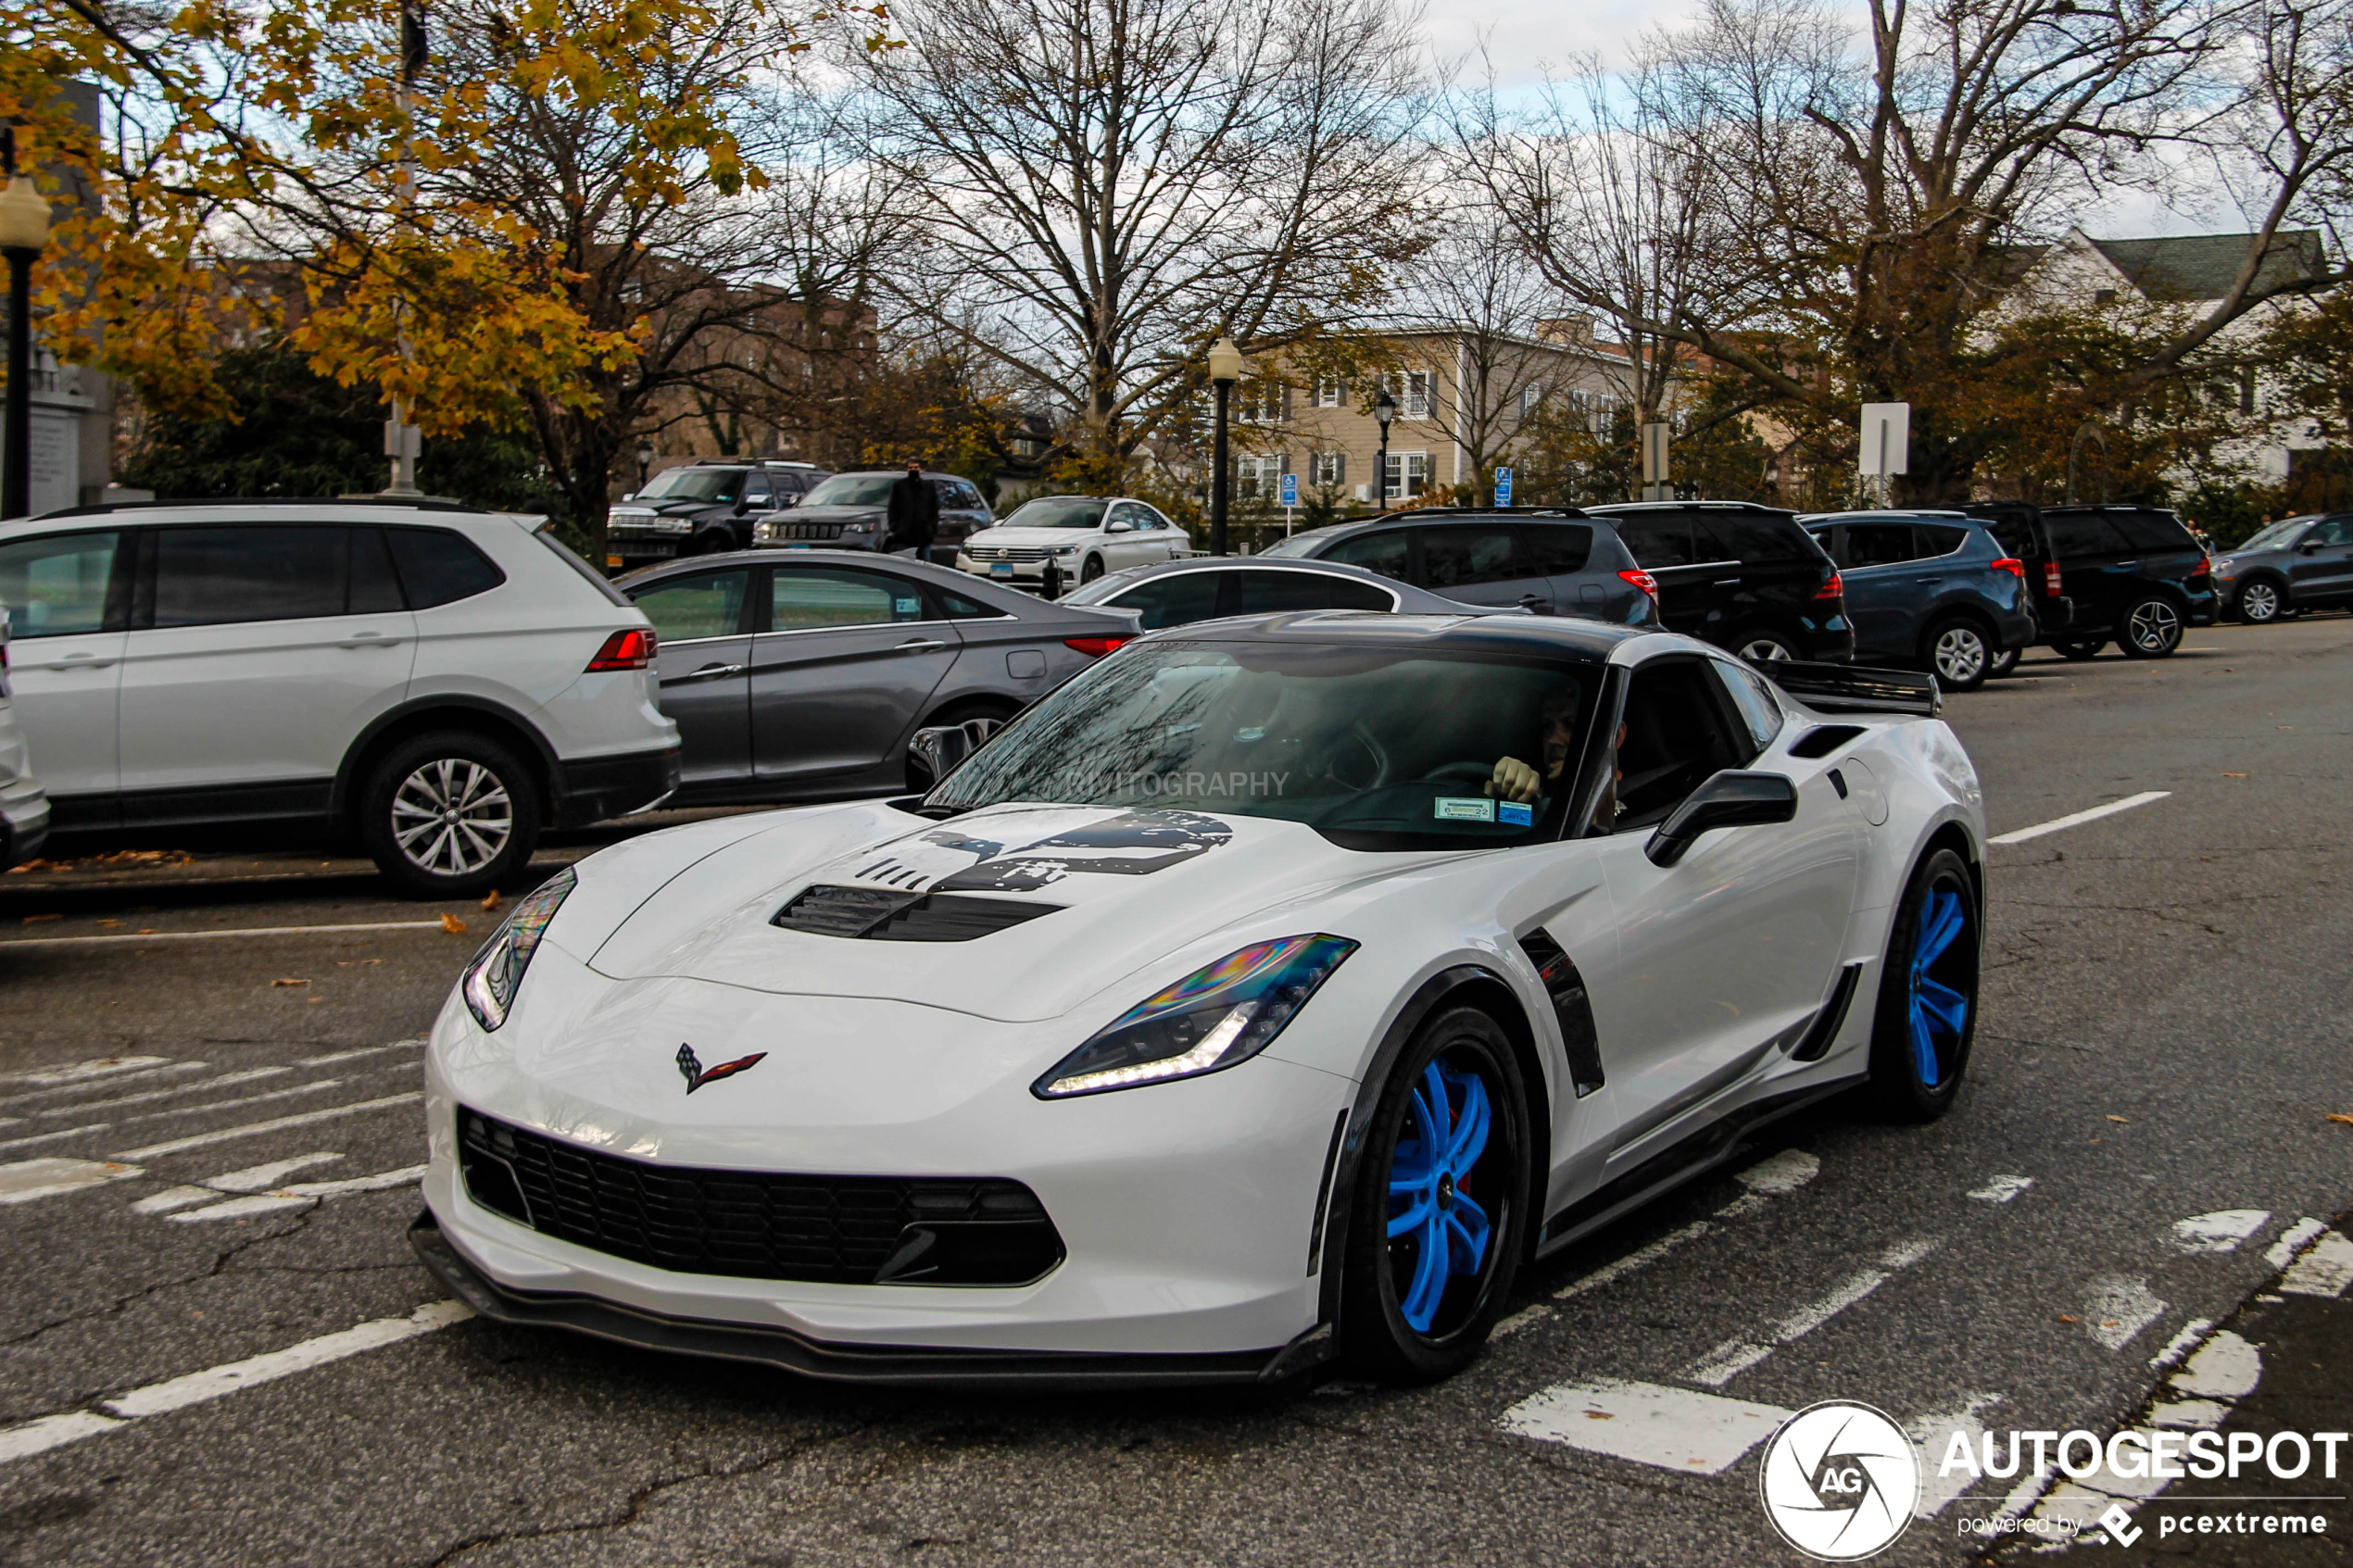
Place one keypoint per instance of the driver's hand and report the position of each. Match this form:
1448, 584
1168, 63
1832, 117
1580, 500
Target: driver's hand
1513, 780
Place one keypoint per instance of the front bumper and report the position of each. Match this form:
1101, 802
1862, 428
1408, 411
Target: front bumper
1019, 571
593, 789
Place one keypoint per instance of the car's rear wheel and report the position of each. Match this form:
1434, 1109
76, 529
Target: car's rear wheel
1960, 654
2153, 628
2260, 602
1762, 646
1440, 1219
2081, 649
2004, 663
449, 814
1927, 1014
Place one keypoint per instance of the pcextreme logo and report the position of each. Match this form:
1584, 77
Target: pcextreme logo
1840, 1481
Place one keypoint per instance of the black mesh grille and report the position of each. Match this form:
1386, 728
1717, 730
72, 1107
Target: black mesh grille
757, 1224
885, 915
808, 530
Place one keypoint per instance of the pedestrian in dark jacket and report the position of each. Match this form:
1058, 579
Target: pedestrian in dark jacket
914, 514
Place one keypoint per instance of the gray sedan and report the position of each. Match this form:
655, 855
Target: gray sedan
801, 676
1180, 593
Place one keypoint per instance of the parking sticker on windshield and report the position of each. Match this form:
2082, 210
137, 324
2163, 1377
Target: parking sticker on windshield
1518, 813
1465, 809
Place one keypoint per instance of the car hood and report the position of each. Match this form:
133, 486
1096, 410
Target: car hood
1126, 889
1034, 536
837, 514
683, 507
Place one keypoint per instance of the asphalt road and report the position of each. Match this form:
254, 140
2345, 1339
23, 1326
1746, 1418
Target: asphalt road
2164, 1018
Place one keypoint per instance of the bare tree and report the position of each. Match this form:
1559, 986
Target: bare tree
1108, 184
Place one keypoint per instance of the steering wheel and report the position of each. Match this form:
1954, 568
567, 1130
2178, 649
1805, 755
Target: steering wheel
1374, 749
1478, 772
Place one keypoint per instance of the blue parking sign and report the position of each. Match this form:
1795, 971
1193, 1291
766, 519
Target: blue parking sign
1502, 487
1289, 490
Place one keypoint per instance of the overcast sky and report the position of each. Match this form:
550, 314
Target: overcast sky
1524, 36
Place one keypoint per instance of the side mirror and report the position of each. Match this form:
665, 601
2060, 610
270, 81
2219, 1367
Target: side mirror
786, 500
1732, 799
631, 497
1122, 526
943, 748
2309, 547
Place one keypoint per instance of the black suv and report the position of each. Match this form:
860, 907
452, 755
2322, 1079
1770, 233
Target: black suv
2131, 574
1553, 562
1742, 576
701, 509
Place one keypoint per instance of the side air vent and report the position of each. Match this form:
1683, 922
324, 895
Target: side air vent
881, 915
1579, 1040
1823, 739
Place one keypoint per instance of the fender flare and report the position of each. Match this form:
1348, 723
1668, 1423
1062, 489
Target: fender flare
347, 781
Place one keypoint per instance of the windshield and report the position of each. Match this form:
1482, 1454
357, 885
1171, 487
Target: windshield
1374, 748
695, 484
853, 490
1057, 511
2278, 535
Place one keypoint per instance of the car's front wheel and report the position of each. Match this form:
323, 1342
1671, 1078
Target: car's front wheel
1927, 1014
449, 814
2260, 602
1759, 646
1438, 1221
1960, 654
1092, 569
2153, 628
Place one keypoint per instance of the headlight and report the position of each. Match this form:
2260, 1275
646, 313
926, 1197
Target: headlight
491, 979
2222, 563
1066, 549
763, 530
1215, 1017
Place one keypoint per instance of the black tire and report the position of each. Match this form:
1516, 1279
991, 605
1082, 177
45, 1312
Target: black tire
1899, 1090
1092, 569
1762, 645
2151, 627
1462, 1045
2080, 648
919, 779
1958, 653
2260, 601
2004, 664
472, 773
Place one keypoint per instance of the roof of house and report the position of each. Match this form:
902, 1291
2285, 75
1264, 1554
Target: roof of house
2196, 267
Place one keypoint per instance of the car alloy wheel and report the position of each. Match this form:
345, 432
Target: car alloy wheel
2004, 663
1960, 656
1927, 1012
1092, 569
2152, 629
452, 817
1440, 1217
2259, 604
1765, 647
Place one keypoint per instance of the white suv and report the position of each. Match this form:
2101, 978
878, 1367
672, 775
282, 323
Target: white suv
24, 809
436, 682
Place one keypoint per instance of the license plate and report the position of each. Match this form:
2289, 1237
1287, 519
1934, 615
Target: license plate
1001, 569
615, 560
800, 546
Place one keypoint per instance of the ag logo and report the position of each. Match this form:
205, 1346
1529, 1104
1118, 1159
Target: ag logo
1840, 1481
690, 1068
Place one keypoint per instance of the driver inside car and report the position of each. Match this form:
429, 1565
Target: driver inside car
1516, 780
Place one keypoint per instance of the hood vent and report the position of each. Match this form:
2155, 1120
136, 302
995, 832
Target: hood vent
882, 914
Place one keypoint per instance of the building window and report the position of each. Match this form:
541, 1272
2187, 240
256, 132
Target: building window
1261, 401
1329, 390
1328, 468
2103, 296
1417, 395
1530, 397
1408, 475
1258, 479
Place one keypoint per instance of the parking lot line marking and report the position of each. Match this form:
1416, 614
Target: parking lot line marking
2001, 1189
1641, 1257
261, 1178
64, 1089
2218, 1231
145, 1096
82, 1072
2326, 1270
333, 1057
251, 1129
1671, 1428
28, 1179
2078, 818
154, 937
2118, 1308
27, 1439
182, 1111
164, 1202
300, 1195
2293, 1240
1734, 1357
39, 1139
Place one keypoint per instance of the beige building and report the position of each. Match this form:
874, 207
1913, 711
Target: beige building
1463, 396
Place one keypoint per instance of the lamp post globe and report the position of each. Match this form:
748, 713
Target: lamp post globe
1225, 366
645, 461
1384, 411
24, 232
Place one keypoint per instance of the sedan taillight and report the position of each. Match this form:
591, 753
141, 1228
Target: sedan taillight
1642, 580
633, 649
1095, 647
2050, 580
1833, 588
2012, 565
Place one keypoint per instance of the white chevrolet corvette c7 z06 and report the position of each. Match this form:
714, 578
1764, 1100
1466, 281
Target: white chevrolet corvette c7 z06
1269, 993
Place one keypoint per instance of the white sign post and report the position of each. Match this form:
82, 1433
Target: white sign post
1887, 442
1654, 485
1287, 489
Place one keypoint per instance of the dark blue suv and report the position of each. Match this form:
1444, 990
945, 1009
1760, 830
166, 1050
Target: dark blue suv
1934, 590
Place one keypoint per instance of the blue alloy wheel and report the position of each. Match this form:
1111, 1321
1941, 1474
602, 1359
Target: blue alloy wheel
1921, 1031
1939, 1014
1438, 1232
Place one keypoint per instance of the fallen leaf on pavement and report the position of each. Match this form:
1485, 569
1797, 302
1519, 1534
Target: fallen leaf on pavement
290, 983
453, 925
2126, 1122
2340, 1116
2067, 1317
491, 900
35, 920
2234, 775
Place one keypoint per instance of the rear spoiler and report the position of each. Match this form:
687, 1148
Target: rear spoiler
1852, 689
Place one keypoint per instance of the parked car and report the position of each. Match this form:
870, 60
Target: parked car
701, 507
2133, 575
24, 809
1180, 592
1081, 536
2296, 563
1553, 562
852, 512
1933, 590
2018, 525
437, 682
1743, 577
801, 676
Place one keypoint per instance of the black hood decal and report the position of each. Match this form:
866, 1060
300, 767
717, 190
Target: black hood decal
1135, 843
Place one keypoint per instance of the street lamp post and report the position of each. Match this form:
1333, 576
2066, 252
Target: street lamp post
645, 461
1225, 370
24, 232
1384, 411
